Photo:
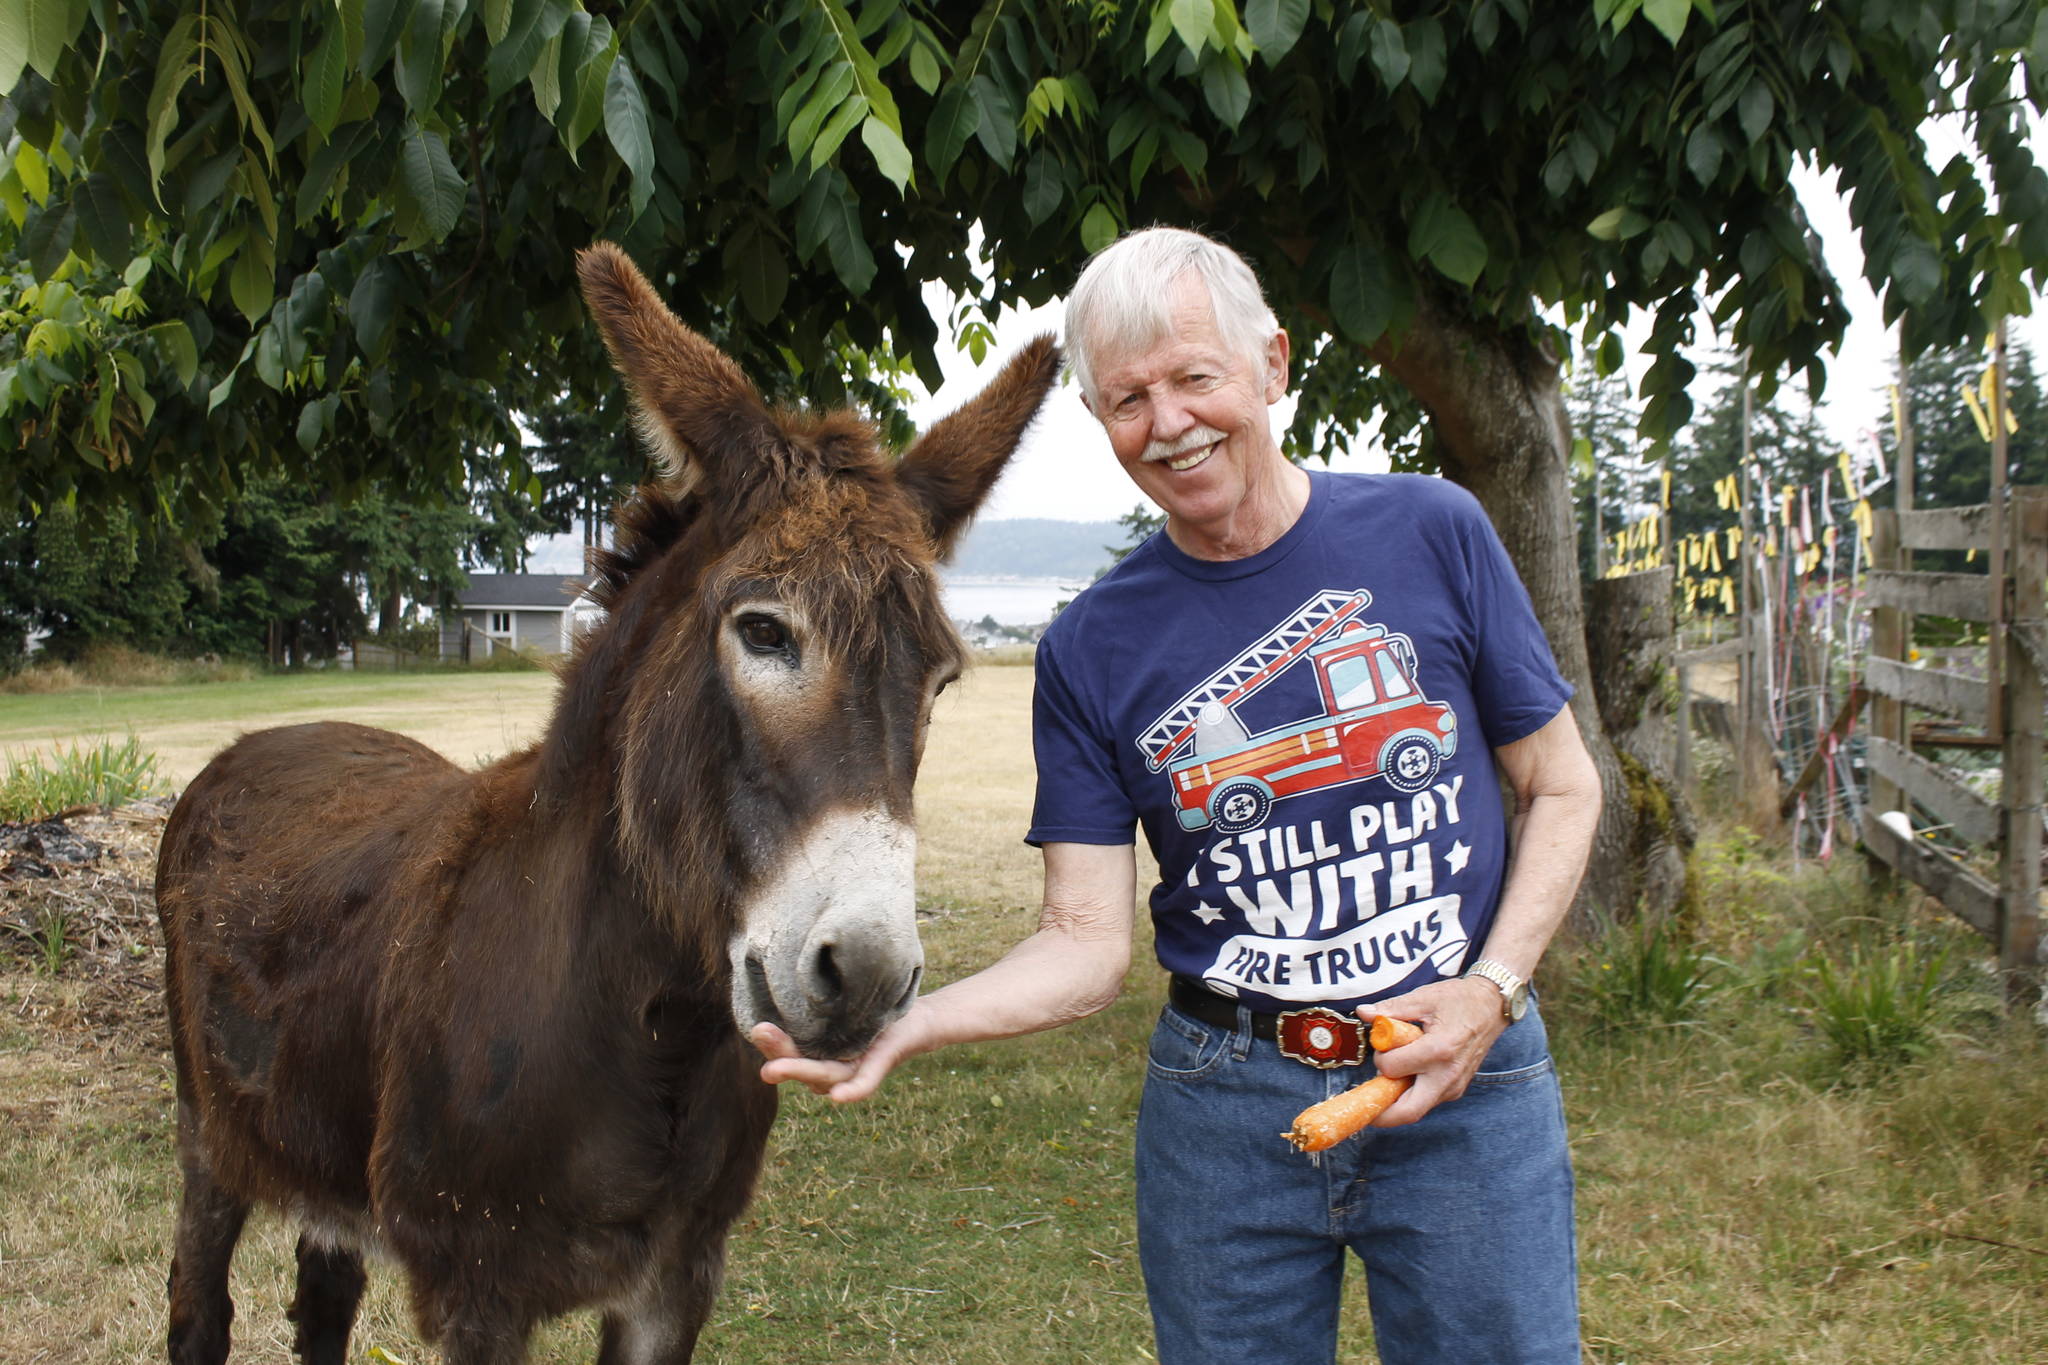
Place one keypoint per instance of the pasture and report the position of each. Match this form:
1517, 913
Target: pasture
1741, 1198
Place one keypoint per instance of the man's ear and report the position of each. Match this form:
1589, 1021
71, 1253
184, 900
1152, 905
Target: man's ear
1277, 352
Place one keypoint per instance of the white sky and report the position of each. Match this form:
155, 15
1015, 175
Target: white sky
1064, 469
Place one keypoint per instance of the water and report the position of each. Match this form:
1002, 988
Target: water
1011, 601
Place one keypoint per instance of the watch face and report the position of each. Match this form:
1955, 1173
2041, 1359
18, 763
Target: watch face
1518, 1004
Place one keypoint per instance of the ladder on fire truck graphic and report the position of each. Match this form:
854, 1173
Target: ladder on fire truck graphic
1317, 619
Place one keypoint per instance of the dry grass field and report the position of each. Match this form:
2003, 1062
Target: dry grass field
1744, 1197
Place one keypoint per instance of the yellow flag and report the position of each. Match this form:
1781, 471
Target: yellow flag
1849, 489
1977, 414
1728, 595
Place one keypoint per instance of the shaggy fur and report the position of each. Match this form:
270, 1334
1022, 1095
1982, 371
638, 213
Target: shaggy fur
481, 1020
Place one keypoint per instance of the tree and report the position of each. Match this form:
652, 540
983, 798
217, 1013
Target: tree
385, 193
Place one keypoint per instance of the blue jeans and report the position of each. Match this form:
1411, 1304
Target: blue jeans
1463, 1221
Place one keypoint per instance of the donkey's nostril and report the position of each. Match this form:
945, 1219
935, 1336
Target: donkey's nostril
826, 982
909, 991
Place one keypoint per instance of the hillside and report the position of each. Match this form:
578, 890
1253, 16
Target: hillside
1036, 547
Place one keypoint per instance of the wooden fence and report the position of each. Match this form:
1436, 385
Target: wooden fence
1993, 702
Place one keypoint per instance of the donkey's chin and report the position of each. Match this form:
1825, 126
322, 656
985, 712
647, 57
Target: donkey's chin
837, 1035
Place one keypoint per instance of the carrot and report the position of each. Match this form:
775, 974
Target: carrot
1388, 1033
1325, 1125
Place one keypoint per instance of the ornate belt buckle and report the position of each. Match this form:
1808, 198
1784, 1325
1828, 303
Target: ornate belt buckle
1321, 1038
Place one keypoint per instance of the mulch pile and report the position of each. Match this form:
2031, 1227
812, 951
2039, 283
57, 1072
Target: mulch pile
77, 893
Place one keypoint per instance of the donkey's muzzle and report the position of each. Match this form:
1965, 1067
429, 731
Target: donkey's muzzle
828, 951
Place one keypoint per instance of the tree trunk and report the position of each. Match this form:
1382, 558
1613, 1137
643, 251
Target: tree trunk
1497, 420
391, 606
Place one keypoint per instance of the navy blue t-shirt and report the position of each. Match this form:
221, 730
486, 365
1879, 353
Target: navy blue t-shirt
1306, 736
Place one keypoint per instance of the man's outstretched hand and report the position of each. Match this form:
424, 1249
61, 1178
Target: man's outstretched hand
841, 1082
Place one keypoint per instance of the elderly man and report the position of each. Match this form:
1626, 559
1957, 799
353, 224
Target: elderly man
1305, 690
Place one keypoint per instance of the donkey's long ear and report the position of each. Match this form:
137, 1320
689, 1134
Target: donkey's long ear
952, 468
695, 408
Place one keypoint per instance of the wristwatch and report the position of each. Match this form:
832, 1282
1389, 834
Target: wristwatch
1514, 992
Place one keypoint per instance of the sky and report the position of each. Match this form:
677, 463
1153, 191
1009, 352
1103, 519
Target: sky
1064, 469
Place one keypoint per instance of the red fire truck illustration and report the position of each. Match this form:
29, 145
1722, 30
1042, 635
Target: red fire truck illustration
1376, 722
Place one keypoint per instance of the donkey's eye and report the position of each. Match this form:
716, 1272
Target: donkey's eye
764, 635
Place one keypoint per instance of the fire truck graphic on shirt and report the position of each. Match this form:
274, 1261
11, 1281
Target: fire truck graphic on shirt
1375, 721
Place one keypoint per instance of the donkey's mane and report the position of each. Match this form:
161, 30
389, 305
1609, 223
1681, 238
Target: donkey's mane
645, 528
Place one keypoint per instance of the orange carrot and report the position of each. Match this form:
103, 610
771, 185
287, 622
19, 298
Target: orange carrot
1389, 1033
1325, 1125
1329, 1123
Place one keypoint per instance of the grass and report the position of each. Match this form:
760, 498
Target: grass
1743, 1197
102, 773
109, 665
465, 715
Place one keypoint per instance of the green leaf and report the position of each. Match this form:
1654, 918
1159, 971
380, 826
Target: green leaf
828, 217
763, 274
626, 125
46, 237
824, 100
372, 304
1755, 108
843, 121
103, 218
174, 338
1276, 26
296, 317
417, 71
588, 51
1444, 236
1389, 53
1428, 59
892, 158
1668, 16
1099, 227
866, 75
1916, 268
250, 284
955, 119
1361, 293
528, 27
174, 67
998, 127
323, 81
1607, 226
1225, 90
1043, 187
1193, 21
429, 181
384, 23
497, 19
1703, 152
14, 45
49, 26
924, 69
313, 423
546, 77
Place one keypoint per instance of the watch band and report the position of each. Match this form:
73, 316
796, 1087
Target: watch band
1514, 991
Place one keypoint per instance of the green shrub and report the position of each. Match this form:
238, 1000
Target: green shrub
101, 774
1648, 973
1881, 1006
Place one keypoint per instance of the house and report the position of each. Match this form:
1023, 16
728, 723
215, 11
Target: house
535, 613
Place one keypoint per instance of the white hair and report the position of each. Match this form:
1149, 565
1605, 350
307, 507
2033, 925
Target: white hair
1123, 300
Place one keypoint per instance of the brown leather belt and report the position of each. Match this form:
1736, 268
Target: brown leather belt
1316, 1037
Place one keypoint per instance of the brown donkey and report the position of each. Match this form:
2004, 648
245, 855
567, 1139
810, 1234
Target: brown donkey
485, 1021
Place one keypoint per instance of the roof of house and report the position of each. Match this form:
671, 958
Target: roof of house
551, 591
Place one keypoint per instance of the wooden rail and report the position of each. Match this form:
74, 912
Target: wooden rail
2005, 706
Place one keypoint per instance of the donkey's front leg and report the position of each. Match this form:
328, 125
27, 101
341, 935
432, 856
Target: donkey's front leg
659, 1324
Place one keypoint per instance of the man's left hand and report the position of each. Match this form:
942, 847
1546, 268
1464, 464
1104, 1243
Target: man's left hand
1460, 1019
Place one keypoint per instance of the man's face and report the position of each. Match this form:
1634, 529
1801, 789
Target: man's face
1187, 418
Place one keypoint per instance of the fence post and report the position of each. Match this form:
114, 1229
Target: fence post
1887, 641
2019, 935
